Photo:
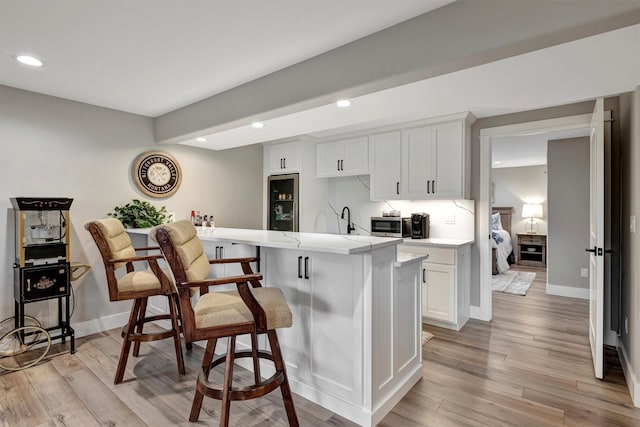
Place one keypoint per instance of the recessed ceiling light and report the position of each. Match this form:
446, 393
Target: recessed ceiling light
496, 163
201, 139
343, 103
29, 60
257, 125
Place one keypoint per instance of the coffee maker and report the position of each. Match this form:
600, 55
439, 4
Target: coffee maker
419, 225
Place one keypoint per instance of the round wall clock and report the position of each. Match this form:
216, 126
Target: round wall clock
157, 173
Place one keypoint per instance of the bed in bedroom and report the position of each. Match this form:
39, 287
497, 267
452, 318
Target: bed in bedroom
502, 247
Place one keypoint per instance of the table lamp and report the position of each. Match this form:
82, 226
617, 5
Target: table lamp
530, 210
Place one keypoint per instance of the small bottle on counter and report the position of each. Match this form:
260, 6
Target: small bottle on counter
212, 223
193, 217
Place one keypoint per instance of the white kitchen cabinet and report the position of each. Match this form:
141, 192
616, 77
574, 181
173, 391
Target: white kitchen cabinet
445, 284
324, 345
429, 161
386, 166
433, 156
439, 291
283, 157
343, 158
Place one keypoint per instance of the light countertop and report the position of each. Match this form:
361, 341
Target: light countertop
406, 258
453, 243
315, 242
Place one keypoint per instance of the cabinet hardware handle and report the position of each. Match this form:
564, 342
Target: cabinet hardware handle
424, 275
397, 188
341, 165
221, 251
285, 163
433, 186
300, 267
592, 250
338, 162
306, 267
428, 191
216, 255
280, 162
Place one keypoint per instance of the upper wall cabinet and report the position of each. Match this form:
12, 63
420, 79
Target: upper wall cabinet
427, 161
342, 158
283, 157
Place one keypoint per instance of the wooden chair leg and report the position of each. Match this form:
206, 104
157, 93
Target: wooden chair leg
176, 299
228, 377
140, 325
284, 388
256, 362
176, 337
206, 368
126, 344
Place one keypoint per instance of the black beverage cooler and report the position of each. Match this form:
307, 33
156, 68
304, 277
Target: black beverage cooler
283, 202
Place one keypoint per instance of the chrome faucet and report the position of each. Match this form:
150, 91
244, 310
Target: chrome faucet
350, 226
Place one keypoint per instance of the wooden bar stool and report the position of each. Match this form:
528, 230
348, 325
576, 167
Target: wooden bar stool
115, 247
248, 310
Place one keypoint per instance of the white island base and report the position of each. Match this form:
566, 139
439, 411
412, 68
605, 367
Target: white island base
355, 344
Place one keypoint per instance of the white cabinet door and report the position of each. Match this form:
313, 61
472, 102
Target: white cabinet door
356, 156
418, 162
284, 271
283, 157
438, 292
448, 158
343, 158
336, 327
386, 166
329, 155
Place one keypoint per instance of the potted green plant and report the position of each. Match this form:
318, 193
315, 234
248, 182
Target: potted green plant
139, 214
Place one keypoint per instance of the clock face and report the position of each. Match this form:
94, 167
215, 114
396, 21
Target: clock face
157, 174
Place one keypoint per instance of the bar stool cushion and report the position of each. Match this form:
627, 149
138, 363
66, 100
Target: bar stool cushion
189, 249
226, 308
139, 281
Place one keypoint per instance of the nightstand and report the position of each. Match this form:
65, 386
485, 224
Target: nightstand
532, 249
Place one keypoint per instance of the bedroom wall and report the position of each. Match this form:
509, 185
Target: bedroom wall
568, 208
56, 147
517, 186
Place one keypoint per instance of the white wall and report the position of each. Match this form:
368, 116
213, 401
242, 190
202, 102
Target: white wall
517, 186
54, 147
630, 141
353, 191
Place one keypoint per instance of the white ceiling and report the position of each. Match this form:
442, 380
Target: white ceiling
160, 55
527, 150
150, 57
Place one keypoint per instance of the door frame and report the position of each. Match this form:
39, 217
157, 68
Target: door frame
483, 207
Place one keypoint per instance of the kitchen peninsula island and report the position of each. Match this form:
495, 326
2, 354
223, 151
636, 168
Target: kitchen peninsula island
355, 344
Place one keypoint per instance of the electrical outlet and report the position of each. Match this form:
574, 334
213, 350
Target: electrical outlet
450, 218
626, 325
632, 224
584, 272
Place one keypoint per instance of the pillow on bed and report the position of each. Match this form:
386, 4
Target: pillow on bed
496, 223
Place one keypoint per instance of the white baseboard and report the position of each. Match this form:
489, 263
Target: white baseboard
567, 291
476, 312
100, 324
629, 374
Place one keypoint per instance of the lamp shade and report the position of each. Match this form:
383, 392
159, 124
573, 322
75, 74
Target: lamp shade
531, 210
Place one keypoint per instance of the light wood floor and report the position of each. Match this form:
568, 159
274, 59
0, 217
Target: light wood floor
530, 366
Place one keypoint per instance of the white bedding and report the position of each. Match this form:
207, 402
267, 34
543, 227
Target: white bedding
502, 250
